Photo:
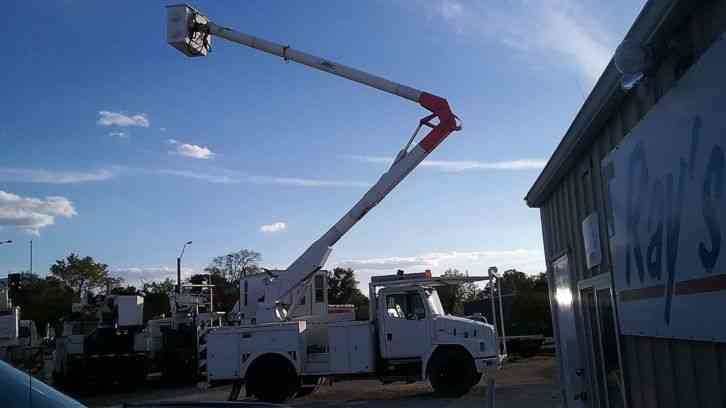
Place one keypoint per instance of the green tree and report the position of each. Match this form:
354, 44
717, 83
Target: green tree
156, 298
126, 290
43, 300
225, 293
525, 303
81, 273
165, 286
453, 296
343, 290
235, 265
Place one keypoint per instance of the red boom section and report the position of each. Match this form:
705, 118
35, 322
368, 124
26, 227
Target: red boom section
447, 121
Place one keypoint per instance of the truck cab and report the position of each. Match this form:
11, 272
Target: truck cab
412, 323
418, 340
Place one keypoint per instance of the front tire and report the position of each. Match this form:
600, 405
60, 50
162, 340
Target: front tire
452, 373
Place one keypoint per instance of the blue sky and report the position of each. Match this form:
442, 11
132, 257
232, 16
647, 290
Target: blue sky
118, 147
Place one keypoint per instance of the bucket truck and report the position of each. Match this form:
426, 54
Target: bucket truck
102, 343
174, 341
277, 354
18, 338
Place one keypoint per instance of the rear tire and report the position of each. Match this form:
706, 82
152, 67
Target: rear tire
272, 378
452, 373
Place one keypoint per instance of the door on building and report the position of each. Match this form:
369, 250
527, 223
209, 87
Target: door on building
604, 362
569, 357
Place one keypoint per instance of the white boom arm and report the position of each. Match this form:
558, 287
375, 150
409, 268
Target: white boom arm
191, 32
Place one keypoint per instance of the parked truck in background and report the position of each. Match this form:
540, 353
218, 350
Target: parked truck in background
19, 340
175, 343
102, 342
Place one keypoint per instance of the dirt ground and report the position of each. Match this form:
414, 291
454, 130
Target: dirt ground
521, 383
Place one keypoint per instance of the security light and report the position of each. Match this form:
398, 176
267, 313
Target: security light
631, 59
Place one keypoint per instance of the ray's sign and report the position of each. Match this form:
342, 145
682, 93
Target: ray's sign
667, 221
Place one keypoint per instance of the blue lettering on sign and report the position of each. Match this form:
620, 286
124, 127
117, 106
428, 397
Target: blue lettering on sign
635, 202
664, 215
713, 188
655, 248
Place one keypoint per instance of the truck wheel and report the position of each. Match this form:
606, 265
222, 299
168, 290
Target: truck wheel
272, 378
452, 373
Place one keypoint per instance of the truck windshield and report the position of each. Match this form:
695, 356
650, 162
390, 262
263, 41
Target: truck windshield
432, 297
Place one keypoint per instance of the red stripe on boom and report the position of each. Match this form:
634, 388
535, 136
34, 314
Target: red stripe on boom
447, 121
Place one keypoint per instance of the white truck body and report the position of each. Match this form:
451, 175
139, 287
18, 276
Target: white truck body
408, 327
10, 327
130, 310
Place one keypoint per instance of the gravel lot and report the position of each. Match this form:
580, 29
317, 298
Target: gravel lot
520, 384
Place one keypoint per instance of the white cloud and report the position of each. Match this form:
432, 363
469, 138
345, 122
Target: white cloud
221, 176
32, 214
304, 182
120, 135
107, 118
463, 165
576, 37
53, 176
192, 150
527, 260
163, 129
555, 31
522, 164
139, 275
274, 227
211, 178
451, 9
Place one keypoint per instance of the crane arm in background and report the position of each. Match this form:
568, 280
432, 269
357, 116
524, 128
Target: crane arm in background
190, 32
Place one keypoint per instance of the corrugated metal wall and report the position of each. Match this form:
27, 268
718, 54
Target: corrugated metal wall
658, 372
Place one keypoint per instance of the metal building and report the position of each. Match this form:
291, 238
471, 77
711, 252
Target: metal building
633, 210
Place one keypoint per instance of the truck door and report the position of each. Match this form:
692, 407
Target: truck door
405, 331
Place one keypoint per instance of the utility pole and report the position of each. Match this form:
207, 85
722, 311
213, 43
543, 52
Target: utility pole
31, 256
178, 267
178, 274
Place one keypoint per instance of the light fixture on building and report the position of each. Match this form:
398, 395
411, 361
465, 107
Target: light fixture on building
631, 60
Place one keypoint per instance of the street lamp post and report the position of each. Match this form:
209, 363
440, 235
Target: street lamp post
178, 267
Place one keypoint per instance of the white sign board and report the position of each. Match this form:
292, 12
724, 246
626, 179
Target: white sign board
667, 188
591, 240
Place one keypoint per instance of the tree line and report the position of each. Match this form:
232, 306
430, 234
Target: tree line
47, 300
525, 300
